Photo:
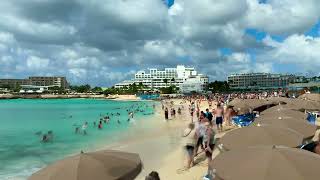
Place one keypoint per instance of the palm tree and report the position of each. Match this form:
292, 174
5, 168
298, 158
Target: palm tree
172, 80
165, 81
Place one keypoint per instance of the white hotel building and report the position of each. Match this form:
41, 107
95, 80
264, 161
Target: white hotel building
186, 78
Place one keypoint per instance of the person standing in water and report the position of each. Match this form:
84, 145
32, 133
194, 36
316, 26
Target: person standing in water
77, 130
84, 128
100, 125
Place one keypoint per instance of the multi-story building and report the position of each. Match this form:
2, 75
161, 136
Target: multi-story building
35, 81
260, 80
13, 83
156, 79
49, 81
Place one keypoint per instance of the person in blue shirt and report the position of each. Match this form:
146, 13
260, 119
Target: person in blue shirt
209, 115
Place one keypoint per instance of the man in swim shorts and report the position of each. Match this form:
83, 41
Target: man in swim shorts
219, 117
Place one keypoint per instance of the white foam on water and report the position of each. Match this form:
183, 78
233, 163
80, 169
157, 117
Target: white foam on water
23, 175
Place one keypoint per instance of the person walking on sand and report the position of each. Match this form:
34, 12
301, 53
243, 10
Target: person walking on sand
190, 143
209, 142
219, 117
209, 115
166, 114
200, 132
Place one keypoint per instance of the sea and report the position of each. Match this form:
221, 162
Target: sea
24, 121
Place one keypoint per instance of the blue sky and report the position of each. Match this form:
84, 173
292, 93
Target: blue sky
103, 43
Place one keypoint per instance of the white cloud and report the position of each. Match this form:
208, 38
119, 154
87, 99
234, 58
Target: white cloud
37, 63
265, 67
297, 49
69, 54
77, 38
283, 16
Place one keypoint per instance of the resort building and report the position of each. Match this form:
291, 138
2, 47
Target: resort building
33, 89
49, 81
180, 76
35, 81
260, 81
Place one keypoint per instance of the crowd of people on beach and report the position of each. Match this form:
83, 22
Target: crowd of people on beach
200, 135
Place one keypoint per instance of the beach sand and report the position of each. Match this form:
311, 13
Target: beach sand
123, 97
162, 149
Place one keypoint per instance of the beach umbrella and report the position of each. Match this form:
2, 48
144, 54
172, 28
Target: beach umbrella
260, 136
303, 105
277, 100
235, 101
100, 165
281, 111
240, 106
302, 127
253, 103
258, 103
311, 96
261, 163
248, 105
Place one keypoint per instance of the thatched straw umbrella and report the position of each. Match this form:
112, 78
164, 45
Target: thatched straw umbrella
243, 106
261, 163
302, 127
283, 112
261, 136
304, 105
100, 165
311, 97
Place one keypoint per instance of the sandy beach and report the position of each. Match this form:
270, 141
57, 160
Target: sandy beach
123, 97
162, 150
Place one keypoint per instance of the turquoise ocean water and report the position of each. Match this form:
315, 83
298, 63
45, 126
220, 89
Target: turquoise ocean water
21, 149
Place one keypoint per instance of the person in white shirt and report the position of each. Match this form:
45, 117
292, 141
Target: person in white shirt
84, 128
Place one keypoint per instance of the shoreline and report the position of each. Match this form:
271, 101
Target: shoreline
155, 144
70, 96
99, 142
49, 96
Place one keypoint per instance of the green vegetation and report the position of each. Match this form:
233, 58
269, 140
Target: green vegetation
57, 89
165, 81
81, 89
169, 90
97, 90
86, 89
131, 89
218, 86
135, 89
315, 89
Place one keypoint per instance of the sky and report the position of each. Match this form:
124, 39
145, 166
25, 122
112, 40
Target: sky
102, 42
